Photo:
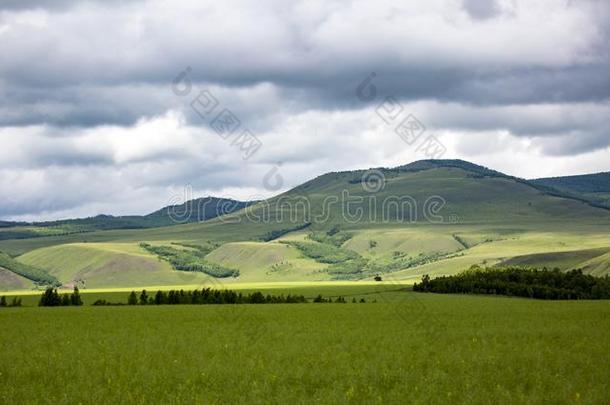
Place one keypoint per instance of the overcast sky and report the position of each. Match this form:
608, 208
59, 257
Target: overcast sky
116, 106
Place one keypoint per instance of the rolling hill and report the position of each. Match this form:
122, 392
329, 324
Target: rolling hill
429, 217
193, 211
593, 187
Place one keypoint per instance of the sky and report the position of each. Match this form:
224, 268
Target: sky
122, 107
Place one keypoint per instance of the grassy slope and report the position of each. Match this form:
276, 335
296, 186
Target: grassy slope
563, 260
508, 243
405, 240
510, 350
497, 218
108, 265
10, 281
273, 261
267, 261
594, 187
598, 266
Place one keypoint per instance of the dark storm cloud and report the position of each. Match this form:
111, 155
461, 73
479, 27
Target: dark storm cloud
70, 70
82, 105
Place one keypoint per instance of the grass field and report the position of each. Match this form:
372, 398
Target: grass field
406, 348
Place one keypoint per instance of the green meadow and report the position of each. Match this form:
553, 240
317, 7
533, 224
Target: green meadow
404, 348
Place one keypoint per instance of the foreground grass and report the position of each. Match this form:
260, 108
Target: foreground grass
409, 348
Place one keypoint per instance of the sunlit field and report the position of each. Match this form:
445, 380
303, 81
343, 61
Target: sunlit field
398, 347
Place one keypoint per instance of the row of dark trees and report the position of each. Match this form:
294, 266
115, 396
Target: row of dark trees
210, 296
338, 300
16, 302
523, 282
51, 298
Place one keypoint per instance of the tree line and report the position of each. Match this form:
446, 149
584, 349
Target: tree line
522, 282
16, 302
51, 298
339, 300
209, 296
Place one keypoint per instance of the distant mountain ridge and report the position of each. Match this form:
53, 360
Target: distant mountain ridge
586, 183
594, 187
196, 210
8, 224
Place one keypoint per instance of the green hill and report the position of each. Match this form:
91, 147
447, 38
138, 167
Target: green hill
593, 187
193, 211
435, 192
428, 217
107, 265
